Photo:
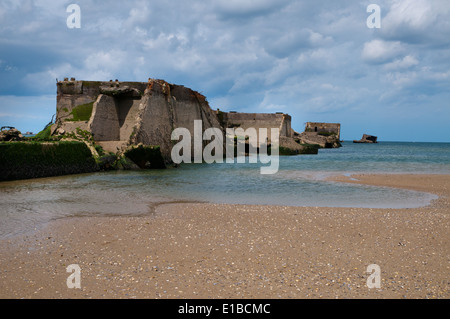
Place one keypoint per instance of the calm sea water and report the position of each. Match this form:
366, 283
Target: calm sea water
27, 204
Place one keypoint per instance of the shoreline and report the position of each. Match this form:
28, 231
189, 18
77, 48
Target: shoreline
201, 250
437, 184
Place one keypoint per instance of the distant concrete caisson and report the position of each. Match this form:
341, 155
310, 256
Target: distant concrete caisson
367, 139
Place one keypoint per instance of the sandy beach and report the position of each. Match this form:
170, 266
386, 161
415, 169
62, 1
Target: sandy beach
197, 250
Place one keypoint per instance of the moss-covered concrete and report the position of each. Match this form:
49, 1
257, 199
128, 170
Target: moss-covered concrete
22, 160
306, 149
82, 112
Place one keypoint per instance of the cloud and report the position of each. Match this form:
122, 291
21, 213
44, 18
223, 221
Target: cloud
246, 8
403, 63
417, 21
138, 15
317, 39
308, 58
318, 60
380, 51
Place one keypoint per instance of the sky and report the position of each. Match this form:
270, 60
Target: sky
318, 61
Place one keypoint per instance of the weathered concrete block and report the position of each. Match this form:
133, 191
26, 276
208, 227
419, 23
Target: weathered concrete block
367, 139
104, 122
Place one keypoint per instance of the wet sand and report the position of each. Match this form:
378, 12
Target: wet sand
187, 250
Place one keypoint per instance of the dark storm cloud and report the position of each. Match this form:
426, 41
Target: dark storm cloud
316, 60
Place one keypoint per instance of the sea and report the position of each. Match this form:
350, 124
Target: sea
27, 205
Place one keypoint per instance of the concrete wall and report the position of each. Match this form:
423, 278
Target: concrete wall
125, 113
258, 120
132, 112
104, 122
165, 107
154, 122
128, 108
72, 93
323, 128
286, 128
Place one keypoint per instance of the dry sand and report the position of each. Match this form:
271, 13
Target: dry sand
239, 251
